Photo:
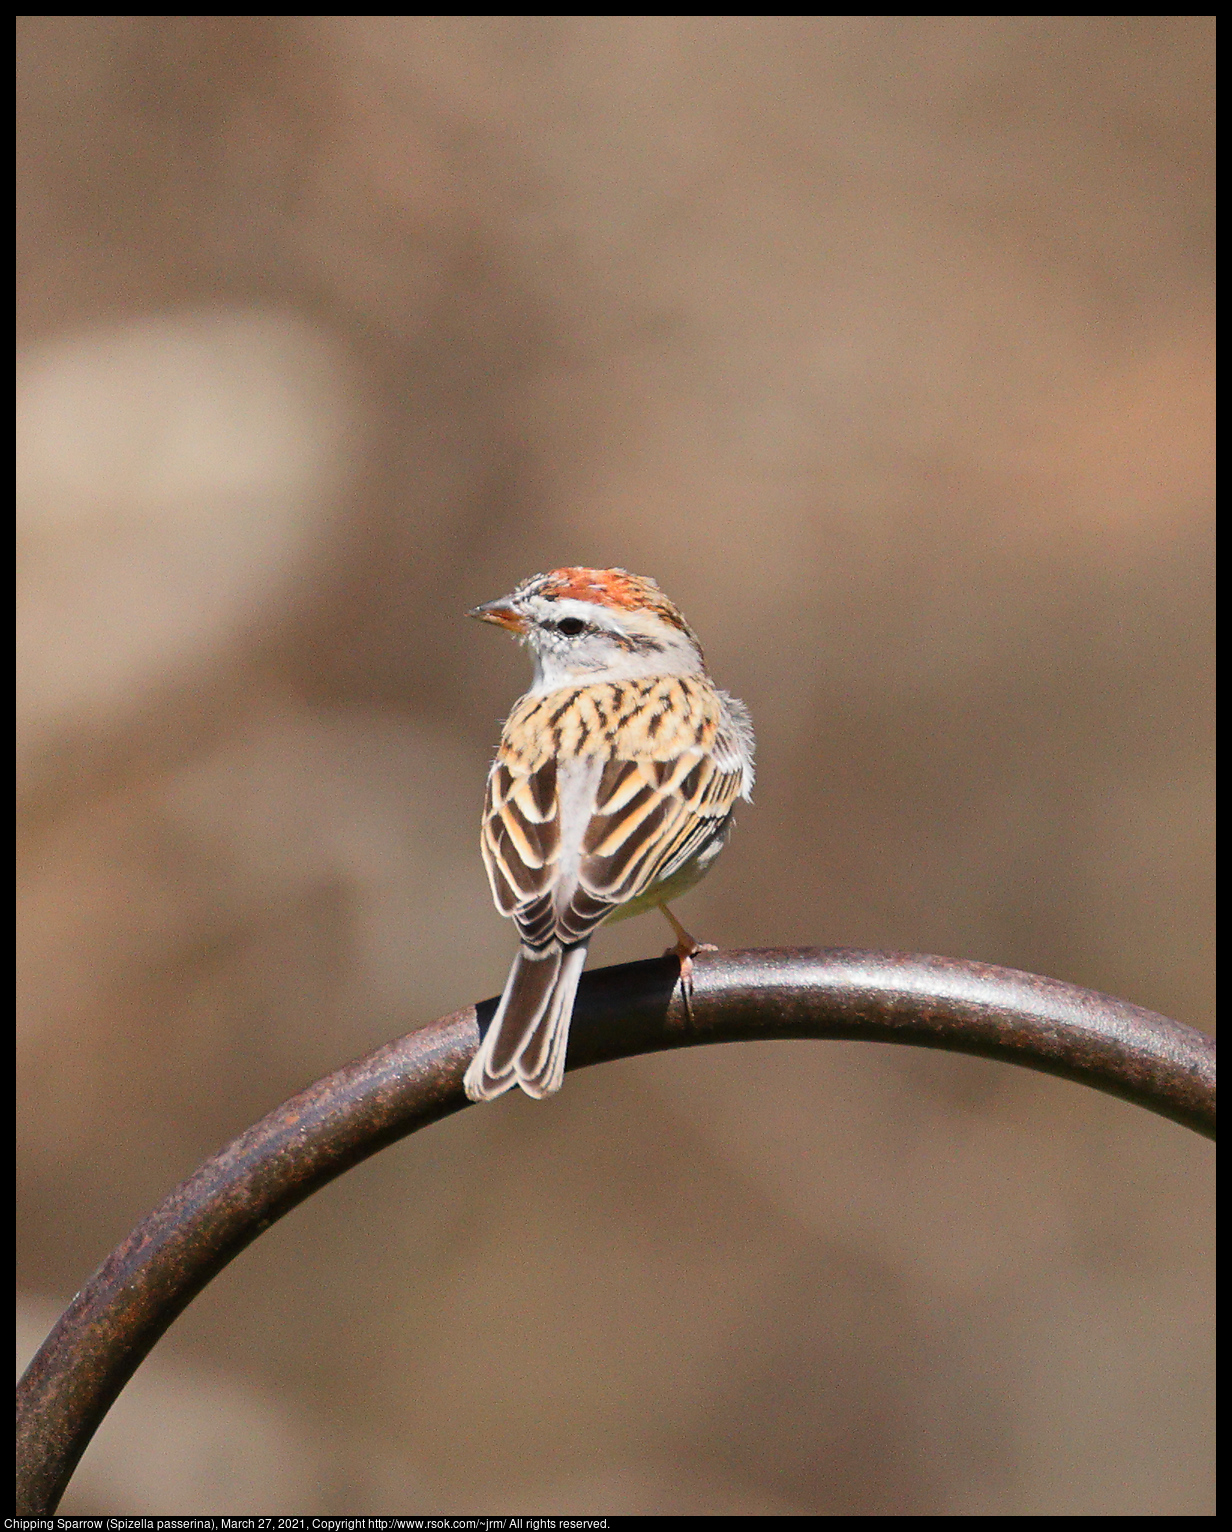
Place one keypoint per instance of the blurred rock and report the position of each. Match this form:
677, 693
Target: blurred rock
176, 478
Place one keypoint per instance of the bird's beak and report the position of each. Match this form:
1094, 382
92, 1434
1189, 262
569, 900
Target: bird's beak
501, 613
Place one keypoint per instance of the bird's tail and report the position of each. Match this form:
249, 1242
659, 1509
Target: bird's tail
525, 1045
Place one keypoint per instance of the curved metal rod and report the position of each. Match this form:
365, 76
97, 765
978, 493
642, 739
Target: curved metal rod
137, 1292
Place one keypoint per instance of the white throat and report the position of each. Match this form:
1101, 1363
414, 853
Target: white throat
552, 672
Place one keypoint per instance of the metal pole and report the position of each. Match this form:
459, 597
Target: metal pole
796, 993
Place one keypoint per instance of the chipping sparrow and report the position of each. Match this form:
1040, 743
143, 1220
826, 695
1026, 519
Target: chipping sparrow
611, 793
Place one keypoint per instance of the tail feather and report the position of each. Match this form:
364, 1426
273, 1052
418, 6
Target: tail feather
525, 1045
541, 1065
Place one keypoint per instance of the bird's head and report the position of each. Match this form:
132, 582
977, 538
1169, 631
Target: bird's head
584, 625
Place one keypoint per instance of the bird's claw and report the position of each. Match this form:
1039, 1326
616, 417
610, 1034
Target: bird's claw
684, 953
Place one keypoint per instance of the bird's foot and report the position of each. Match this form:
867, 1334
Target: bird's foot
684, 951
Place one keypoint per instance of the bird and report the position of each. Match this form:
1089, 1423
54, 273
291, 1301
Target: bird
611, 793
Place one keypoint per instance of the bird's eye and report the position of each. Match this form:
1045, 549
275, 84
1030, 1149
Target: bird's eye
570, 626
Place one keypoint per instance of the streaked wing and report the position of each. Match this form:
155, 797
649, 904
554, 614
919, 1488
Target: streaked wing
520, 842
650, 819
621, 825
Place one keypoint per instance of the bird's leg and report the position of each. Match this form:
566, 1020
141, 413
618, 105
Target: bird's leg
684, 949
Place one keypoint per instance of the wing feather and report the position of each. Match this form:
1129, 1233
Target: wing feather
641, 818
652, 834
520, 839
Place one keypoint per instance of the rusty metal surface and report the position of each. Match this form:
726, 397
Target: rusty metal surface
125, 1307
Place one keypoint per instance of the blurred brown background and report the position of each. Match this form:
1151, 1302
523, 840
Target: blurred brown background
886, 347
